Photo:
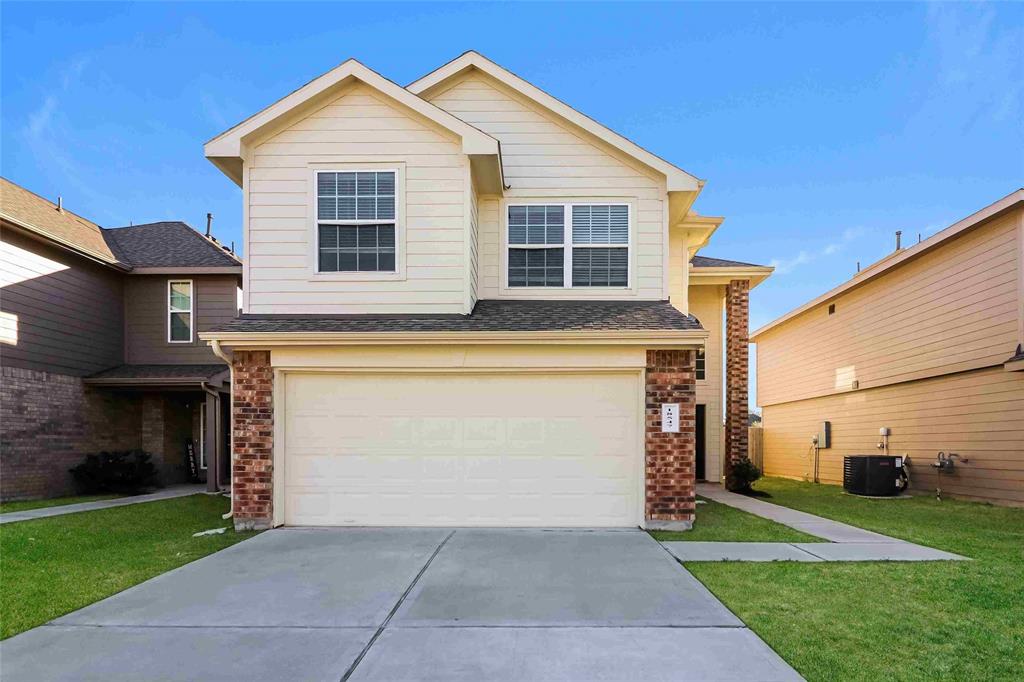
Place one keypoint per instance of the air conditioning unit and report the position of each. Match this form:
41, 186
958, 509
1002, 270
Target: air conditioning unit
874, 475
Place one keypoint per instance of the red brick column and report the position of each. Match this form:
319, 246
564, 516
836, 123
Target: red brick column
737, 370
252, 461
670, 457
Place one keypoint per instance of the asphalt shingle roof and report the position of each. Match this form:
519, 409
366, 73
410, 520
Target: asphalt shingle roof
43, 217
706, 262
156, 372
166, 244
490, 316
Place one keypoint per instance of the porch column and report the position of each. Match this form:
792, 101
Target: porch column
737, 322
252, 462
211, 439
670, 471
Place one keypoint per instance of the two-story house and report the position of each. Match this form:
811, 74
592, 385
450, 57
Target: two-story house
99, 346
468, 304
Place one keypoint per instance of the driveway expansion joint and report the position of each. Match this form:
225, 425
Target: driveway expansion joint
394, 609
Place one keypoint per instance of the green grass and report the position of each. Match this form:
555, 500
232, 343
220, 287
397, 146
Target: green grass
25, 505
52, 566
892, 621
720, 523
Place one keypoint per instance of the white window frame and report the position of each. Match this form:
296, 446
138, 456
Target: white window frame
398, 272
568, 246
191, 310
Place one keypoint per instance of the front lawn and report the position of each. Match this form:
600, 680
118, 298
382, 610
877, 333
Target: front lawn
52, 566
25, 505
895, 621
717, 522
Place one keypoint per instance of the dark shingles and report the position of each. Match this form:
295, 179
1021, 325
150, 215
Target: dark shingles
198, 372
166, 244
707, 262
490, 316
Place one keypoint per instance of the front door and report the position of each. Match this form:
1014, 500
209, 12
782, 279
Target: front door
701, 476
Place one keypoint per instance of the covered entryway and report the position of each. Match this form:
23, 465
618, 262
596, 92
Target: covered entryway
462, 449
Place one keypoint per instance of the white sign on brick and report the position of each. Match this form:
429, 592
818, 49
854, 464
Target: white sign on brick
670, 417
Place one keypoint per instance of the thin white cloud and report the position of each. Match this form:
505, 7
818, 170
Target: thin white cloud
803, 257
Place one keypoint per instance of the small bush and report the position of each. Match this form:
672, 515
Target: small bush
127, 472
742, 476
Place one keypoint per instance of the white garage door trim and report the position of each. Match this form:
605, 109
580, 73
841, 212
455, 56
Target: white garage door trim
281, 375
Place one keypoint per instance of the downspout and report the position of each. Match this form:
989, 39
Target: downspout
219, 352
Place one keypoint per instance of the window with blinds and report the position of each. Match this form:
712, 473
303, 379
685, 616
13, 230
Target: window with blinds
356, 223
595, 254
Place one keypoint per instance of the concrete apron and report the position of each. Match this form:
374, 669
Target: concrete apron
407, 604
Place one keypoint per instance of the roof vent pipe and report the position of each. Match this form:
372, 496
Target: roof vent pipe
899, 234
60, 203
209, 223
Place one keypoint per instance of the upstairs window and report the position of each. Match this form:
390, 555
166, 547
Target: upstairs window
179, 311
701, 366
593, 253
355, 221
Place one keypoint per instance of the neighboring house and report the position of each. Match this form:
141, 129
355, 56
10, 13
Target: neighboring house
466, 303
927, 343
99, 346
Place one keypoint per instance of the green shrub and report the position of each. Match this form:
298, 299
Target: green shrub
127, 472
742, 476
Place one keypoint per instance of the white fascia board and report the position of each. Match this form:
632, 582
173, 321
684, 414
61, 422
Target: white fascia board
229, 144
677, 179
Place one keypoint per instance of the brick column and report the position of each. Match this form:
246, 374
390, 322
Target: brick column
252, 460
670, 457
737, 315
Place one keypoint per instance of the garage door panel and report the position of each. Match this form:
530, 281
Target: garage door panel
485, 450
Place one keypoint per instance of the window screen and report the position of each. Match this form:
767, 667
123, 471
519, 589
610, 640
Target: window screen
356, 214
357, 248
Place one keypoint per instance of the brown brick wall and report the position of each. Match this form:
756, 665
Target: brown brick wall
252, 463
48, 423
737, 329
670, 457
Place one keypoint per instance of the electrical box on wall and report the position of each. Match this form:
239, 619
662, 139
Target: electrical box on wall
825, 435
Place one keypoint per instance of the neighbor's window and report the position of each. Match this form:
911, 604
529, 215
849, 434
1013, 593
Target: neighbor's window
596, 253
179, 311
355, 221
701, 365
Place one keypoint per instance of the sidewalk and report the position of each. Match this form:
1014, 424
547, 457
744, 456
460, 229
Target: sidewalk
164, 494
844, 542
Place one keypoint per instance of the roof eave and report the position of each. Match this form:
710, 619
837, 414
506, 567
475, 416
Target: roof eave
723, 275
34, 231
1010, 201
665, 338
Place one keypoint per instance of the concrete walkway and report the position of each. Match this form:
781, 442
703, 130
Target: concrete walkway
844, 542
46, 512
407, 605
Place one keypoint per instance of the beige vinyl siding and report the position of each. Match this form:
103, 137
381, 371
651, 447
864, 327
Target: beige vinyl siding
952, 309
707, 303
545, 157
474, 244
215, 301
977, 414
358, 126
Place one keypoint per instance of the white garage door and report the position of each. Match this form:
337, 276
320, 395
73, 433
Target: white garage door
462, 450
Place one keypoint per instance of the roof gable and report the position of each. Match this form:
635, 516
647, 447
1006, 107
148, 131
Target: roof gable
226, 149
677, 179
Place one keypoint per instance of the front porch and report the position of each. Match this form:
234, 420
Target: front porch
180, 414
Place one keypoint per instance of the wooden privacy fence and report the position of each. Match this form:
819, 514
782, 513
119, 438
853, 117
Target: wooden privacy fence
755, 446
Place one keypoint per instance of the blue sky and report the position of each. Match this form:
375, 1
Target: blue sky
820, 128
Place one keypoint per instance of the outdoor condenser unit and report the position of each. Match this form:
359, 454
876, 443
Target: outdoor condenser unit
874, 475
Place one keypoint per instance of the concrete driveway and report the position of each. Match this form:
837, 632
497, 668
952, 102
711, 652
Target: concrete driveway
407, 604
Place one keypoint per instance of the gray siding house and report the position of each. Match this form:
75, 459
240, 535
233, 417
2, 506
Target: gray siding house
100, 348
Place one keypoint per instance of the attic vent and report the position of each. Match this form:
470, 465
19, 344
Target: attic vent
831, 308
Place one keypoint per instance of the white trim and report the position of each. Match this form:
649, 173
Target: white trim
191, 310
567, 245
399, 221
